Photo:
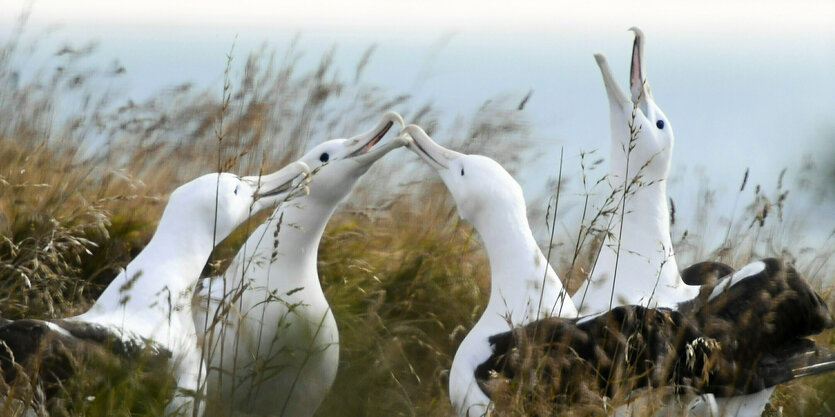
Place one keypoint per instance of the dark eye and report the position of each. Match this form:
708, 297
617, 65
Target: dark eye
236, 189
462, 172
659, 124
324, 157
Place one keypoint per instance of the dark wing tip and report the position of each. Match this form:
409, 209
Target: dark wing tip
704, 273
796, 359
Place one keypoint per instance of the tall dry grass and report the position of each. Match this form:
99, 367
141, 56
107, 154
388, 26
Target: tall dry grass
86, 172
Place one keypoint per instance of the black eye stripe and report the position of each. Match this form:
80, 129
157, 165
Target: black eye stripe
324, 157
462, 172
659, 124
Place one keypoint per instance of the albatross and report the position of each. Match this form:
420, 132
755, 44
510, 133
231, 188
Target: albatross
271, 339
742, 335
637, 263
145, 312
531, 344
523, 286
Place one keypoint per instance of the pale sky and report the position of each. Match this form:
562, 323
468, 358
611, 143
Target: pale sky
770, 18
750, 78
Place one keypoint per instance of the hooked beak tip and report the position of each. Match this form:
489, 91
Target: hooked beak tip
395, 118
436, 155
407, 134
371, 138
404, 139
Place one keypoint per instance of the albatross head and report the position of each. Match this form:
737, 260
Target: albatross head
653, 133
218, 203
337, 164
478, 184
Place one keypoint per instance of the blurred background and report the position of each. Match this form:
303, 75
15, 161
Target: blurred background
105, 107
745, 84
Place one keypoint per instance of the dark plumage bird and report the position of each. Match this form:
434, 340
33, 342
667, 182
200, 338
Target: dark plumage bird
742, 334
52, 352
704, 273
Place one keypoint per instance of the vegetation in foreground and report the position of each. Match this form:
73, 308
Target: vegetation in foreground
85, 175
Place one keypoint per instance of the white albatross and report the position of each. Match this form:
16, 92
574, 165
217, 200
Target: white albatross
272, 341
147, 307
529, 340
523, 288
637, 263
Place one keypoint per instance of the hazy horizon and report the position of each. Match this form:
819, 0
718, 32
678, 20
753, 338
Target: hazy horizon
744, 86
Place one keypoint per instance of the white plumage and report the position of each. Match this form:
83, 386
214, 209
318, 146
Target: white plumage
274, 347
637, 263
149, 303
523, 287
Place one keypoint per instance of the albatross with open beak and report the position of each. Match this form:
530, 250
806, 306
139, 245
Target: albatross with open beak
636, 263
741, 334
146, 309
271, 341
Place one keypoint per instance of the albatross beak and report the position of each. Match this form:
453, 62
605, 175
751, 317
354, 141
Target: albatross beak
638, 85
367, 140
616, 96
274, 188
435, 155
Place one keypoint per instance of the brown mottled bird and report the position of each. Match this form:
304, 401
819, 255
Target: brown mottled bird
741, 335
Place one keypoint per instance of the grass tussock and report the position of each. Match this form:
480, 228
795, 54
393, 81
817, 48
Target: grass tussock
86, 172
402, 307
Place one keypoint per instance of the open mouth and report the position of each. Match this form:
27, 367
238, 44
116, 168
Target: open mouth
302, 173
367, 147
278, 190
